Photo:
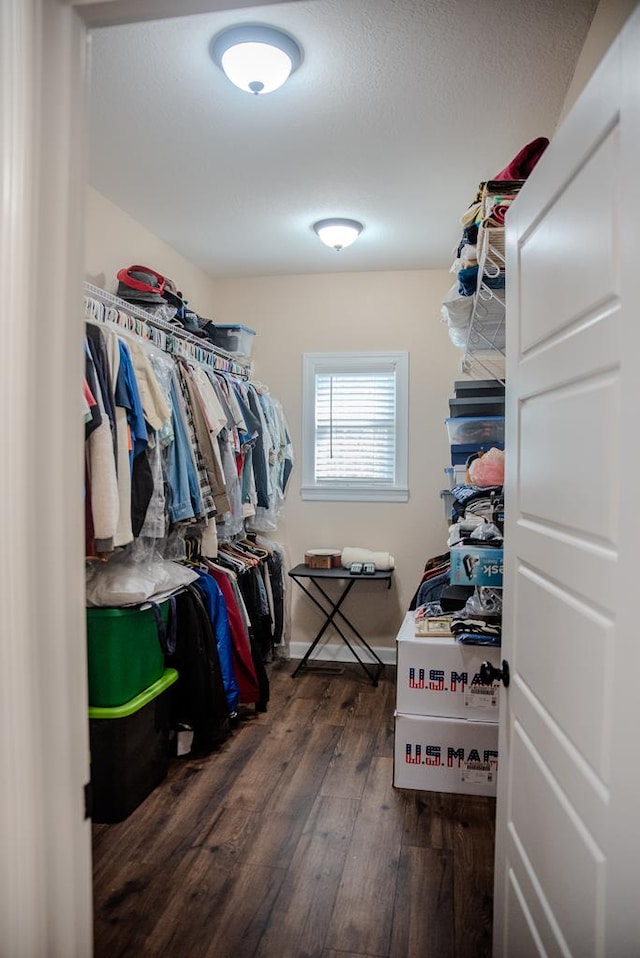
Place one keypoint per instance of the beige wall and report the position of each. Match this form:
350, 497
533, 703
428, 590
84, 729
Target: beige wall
608, 20
113, 239
358, 312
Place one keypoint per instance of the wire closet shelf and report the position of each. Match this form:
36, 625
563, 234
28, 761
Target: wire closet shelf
485, 346
104, 307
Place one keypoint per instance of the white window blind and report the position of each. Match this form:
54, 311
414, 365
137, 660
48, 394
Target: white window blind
355, 425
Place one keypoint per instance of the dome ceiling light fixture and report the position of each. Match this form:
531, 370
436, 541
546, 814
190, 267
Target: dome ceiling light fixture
338, 233
256, 58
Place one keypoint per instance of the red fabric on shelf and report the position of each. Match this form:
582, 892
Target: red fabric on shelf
524, 162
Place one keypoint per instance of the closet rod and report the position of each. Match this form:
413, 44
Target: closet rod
235, 365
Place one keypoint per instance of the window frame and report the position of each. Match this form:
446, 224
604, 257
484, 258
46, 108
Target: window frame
355, 490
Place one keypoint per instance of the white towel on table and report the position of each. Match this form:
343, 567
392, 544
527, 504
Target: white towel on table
382, 560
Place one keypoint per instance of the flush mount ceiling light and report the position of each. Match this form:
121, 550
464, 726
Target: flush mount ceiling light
256, 58
338, 233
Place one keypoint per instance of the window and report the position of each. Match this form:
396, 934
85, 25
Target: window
355, 426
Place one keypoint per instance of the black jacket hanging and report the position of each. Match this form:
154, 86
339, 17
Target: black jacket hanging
199, 699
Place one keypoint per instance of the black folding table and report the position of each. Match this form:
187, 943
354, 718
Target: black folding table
317, 577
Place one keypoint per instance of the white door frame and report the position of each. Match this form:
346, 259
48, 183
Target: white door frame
45, 865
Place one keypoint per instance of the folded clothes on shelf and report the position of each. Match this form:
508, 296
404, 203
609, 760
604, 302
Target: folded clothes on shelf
468, 280
471, 502
479, 331
477, 638
434, 579
480, 621
484, 533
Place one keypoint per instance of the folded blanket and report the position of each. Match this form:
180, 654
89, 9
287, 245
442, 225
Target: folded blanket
382, 560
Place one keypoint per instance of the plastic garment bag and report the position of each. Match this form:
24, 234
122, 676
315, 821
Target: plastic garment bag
134, 575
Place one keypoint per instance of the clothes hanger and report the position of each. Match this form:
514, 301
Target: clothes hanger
254, 549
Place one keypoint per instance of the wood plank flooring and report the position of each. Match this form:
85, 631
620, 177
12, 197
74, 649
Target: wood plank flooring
290, 842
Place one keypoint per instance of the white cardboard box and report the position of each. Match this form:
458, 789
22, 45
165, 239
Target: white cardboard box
445, 755
440, 677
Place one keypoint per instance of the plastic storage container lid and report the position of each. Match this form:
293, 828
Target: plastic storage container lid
476, 406
137, 703
456, 420
471, 447
478, 387
246, 329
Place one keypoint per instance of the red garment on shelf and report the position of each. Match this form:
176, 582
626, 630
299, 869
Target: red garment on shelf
524, 162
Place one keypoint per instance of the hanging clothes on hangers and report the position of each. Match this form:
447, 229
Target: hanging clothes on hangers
217, 609
195, 448
101, 485
249, 663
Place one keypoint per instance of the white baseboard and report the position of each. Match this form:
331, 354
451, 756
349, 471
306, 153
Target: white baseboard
338, 652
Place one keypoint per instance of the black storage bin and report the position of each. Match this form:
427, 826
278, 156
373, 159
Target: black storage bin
129, 750
454, 597
465, 388
477, 406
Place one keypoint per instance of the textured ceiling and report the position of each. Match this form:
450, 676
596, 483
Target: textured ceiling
399, 109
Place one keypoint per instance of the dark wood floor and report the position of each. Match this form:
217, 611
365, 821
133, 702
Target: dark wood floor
291, 842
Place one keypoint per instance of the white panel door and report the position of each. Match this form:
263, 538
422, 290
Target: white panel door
568, 837
45, 838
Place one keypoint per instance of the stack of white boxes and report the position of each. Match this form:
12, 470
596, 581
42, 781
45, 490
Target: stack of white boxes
446, 736
446, 718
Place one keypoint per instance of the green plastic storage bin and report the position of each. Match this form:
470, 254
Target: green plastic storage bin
124, 655
129, 750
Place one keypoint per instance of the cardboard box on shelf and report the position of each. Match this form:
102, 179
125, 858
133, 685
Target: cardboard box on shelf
445, 755
476, 565
441, 677
323, 558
